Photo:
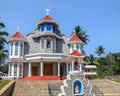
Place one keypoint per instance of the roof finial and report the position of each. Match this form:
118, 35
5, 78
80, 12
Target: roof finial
18, 29
47, 11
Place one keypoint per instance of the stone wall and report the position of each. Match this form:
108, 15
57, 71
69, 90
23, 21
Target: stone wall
6, 90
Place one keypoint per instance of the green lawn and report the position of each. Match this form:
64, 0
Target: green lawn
118, 81
3, 83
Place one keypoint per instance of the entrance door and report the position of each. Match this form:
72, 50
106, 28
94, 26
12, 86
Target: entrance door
34, 70
48, 69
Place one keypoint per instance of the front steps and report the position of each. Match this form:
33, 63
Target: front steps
37, 88
106, 87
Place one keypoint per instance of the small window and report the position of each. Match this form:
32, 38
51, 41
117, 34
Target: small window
48, 27
21, 49
11, 49
77, 47
15, 70
48, 43
16, 48
54, 29
72, 47
42, 28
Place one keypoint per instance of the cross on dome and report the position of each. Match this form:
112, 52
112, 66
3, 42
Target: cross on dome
47, 11
18, 29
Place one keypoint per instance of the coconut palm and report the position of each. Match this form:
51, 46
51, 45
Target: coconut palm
81, 34
100, 50
3, 53
2, 36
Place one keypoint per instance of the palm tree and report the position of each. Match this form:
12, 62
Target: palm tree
3, 56
2, 36
3, 53
100, 50
81, 34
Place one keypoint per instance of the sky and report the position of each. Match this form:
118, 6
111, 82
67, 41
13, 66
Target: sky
100, 18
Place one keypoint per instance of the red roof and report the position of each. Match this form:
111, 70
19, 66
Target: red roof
17, 35
47, 18
76, 53
75, 38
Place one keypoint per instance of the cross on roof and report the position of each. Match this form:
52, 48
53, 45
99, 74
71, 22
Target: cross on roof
47, 11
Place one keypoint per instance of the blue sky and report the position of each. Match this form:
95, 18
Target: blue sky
101, 19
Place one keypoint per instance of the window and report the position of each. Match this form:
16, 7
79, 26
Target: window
16, 48
42, 27
54, 29
11, 49
72, 47
48, 27
21, 49
77, 47
48, 43
15, 70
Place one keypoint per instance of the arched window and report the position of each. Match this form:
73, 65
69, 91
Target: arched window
16, 48
11, 49
42, 27
48, 43
21, 49
77, 87
48, 27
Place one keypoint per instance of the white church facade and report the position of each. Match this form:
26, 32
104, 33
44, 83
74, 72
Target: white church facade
45, 52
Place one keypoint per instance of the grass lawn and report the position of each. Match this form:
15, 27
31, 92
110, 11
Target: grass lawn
3, 83
118, 81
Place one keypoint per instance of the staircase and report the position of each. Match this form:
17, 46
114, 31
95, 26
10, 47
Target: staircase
37, 88
31, 88
54, 87
106, 87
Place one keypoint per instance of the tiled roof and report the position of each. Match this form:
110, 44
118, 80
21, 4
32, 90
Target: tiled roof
47, 18
17, 35
75, 38
76, 53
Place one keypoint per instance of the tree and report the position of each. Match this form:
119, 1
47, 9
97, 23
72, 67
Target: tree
81, 34
2, 36
3, 52
100, 50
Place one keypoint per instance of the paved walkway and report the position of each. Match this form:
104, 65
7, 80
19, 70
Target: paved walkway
109, 88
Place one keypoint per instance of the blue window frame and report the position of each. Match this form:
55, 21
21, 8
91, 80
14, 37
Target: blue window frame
48, 27
54, 29
42, 27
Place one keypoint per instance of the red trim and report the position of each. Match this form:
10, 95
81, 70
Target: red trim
47, 18
15, 59
17, 35
75, 38
76, 53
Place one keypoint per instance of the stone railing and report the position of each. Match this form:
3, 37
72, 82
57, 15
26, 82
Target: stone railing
7, 89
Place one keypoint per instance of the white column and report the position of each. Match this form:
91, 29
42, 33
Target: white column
19, 49
41, 64
58, 68
72, 65
13, 49
12, 70
18, 70
67, 68
29, 69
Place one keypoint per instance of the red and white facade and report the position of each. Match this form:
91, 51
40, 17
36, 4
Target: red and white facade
44, 52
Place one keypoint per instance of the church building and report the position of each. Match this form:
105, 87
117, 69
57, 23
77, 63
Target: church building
45, 52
